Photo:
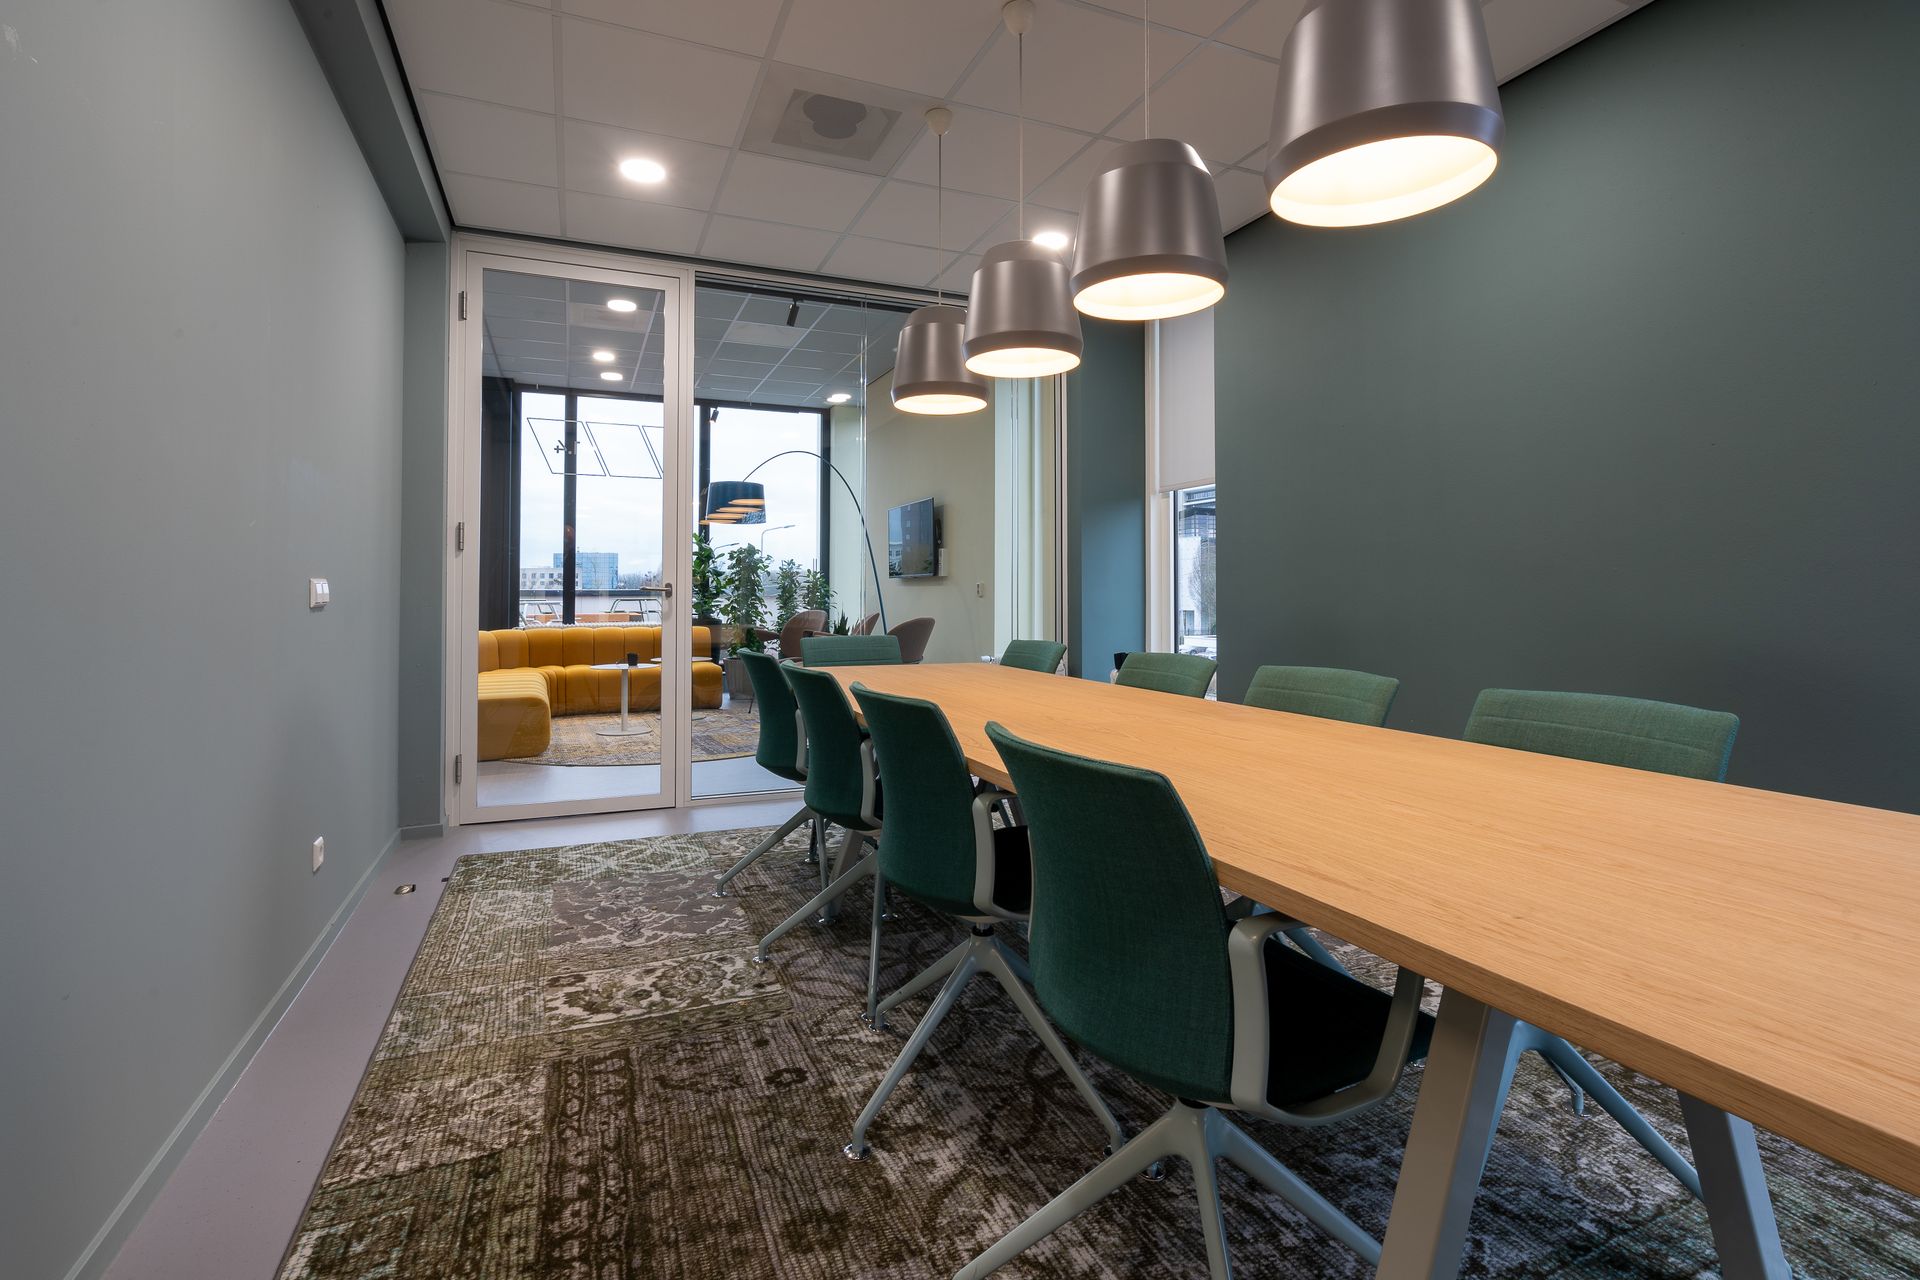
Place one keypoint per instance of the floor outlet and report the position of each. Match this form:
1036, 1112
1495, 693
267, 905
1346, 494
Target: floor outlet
319, 852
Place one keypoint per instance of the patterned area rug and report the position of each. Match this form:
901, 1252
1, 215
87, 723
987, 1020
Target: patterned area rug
719, 733
584, 1077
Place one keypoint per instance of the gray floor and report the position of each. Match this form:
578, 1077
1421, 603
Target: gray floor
232, 1204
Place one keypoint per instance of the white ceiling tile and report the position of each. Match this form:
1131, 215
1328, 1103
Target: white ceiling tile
1243, 198
489, 141
981, 151
594, 151
959, 277
862, 259
1201, 17
1067, 189
1265, 27
1083, 68
1039, 218
503, 206
743, 25
637, 81
921, 46
1221, 102
1523, 32
476, 49
766, 244
807, 195
906, 213
633, 224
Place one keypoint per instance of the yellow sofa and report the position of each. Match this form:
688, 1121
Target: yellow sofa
529, 676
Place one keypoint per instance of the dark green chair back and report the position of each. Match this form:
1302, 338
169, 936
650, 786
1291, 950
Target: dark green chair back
849, 651
1129, 941
1663, 737
928, 850
1034, 655
1187, 674
835, 787
779, 749
1327, 692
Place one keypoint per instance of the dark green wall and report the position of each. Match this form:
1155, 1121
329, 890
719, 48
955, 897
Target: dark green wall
1641, 416
1106, 481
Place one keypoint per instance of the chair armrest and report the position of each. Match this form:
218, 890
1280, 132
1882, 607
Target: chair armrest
800, 740
1246, 944
985, 865
869, 784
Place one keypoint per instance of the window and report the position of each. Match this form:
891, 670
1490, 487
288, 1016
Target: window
1195, 628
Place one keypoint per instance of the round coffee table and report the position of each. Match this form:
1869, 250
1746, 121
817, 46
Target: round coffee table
626, 670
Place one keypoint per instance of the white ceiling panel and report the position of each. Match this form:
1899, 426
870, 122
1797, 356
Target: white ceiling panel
503, 206
594, 151
808, 195
1201, 17
741, 25
1187, 105
981, 154
1243, 198
1523, 32
1264, 28
864, 259
958, 278
1083, 67
633, 224
906, 213
922, 46
1067, 189
477, 49
1039, 218
766, 244
491, 141
637, 81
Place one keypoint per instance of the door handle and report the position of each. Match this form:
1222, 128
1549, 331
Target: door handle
666, 589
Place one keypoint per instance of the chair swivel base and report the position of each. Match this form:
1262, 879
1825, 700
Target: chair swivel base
1200, 1135
982, 953
767, 846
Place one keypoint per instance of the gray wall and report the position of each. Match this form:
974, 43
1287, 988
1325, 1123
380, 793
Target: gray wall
200, 393
1638, 417
423, 549
1106, 498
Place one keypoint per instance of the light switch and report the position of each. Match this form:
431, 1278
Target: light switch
318, 593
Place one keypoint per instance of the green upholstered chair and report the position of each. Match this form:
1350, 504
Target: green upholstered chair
1662, 737
1187, 674
1327, 692
782, 751
941, 848
1034, 655
1136, 961
849, 651
843, 789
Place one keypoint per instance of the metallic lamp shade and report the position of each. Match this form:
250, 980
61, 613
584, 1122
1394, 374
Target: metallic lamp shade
736, 502
1386, 108
930, 372
1021, 322
1150, 244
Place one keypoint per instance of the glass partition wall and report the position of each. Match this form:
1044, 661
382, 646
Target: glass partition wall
624, 557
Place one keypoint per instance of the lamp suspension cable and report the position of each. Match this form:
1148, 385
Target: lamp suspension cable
1020, 104
939, 206
1146, 72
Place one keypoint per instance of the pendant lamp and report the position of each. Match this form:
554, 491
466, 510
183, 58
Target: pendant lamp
1386, 108
930, 373
1020, 320
1150, 243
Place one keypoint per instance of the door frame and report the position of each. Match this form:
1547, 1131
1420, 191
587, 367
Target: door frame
473, 255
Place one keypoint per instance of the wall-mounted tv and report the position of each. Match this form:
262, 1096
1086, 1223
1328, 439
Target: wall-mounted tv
913, 545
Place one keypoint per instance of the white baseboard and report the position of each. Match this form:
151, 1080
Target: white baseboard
100, 1251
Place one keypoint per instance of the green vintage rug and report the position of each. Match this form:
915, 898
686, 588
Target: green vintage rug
585, 1078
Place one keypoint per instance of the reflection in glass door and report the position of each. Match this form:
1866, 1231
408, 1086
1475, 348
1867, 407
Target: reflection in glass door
576, 654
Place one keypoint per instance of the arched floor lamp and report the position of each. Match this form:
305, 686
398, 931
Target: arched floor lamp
743, 503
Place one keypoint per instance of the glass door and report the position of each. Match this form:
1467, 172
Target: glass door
579, 664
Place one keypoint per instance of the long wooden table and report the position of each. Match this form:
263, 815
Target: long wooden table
1759, 952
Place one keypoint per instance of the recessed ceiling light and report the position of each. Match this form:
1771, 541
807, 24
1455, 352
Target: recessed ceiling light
1054, 240
610, 375
839, 397
622, 305
603, 356
642, 170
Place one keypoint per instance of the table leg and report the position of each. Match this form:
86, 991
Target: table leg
1735, 1189
626, 681
1461, 1095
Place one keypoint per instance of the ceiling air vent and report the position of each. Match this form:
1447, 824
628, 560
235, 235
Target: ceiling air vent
822, 119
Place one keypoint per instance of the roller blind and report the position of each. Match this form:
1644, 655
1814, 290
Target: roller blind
1184, 407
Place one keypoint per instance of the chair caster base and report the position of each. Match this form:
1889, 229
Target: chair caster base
719, 893
852, 1152
757, 958
1155, 1172
873, 1024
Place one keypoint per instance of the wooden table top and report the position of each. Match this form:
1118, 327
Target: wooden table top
1760, 951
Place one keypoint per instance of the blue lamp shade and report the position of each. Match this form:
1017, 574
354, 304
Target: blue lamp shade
736, 502
930, 373
1386, 109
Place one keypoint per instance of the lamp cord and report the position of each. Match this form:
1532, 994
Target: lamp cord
1146, 75
1020, 98
939, 206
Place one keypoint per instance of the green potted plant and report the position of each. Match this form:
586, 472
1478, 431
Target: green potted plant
743, 607
814, 592
788, 587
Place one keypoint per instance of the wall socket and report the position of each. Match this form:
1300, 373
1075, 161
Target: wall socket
319, 852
